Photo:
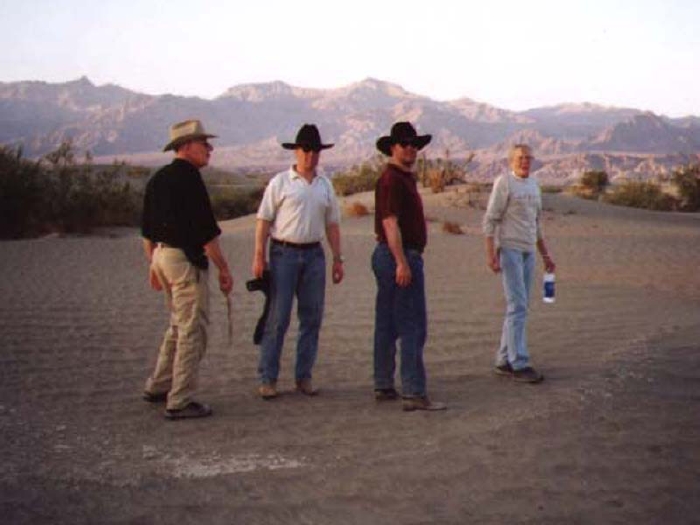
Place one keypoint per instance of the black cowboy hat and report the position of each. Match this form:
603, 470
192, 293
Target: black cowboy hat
402, 132
308, 137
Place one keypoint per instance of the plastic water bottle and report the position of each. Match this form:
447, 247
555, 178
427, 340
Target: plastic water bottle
548, 296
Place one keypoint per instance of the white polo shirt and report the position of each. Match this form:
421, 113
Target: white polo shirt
297, 210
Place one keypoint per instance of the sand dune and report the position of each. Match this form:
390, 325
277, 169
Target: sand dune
612, 435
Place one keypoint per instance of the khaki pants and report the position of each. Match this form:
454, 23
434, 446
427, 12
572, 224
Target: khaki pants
185, 341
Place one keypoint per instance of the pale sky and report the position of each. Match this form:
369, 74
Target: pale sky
513, 55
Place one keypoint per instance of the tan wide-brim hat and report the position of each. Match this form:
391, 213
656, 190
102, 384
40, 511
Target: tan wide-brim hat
185, 131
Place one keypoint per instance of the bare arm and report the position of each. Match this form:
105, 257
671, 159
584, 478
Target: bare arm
333, 236
213, 251
393, 238
262, 232
549, 265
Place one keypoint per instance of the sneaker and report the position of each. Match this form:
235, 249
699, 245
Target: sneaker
527, 375
306, 387
385, 394
161, 397
421, 403
503, 370
268, 390
192, 410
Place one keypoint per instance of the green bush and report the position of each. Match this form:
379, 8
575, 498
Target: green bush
357, 179
687, 182
58, 195
21, 198
646, 195
594, 180
232, 202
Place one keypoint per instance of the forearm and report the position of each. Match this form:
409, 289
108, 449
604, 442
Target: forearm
333, 236
394, 240
213, 251
490, 247
542, 248
262, 232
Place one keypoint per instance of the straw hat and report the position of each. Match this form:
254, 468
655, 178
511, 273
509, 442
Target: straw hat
185, 131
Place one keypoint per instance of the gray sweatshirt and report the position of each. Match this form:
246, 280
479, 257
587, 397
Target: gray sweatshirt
513, 213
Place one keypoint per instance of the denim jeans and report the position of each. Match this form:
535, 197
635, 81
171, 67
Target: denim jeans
517, 268
293, 271
400, 314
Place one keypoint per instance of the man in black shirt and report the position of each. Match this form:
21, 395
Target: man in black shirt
180, 236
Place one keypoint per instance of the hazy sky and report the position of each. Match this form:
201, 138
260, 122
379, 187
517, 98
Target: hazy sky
515, 55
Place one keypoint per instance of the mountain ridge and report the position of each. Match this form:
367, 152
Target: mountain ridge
110, 120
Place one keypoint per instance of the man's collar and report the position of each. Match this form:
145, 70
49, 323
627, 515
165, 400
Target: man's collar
294, 174
512, 172
400, 167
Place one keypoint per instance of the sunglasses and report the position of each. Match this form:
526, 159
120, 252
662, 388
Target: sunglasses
407, 143
203, 143
308, 149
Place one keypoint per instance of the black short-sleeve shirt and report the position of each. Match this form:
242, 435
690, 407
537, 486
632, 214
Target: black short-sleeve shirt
397, 194
177, 211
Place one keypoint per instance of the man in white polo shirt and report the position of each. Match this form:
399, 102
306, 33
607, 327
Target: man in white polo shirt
298, 209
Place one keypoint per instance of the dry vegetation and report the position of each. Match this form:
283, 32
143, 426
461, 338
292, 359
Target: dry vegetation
58, 194
452, 228
356, 209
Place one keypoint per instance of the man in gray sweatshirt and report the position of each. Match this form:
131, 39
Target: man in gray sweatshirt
513, 229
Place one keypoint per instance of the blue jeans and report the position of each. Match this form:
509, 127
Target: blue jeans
293, 271
517, 268
400, 314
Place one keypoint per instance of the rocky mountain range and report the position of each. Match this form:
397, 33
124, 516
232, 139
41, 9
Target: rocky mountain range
252, 119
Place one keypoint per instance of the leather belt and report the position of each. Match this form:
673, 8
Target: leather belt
297, 245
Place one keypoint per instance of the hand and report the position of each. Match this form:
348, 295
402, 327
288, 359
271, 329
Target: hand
338, 272
153, 280
549, 265
403, 275
225, 282
258, 266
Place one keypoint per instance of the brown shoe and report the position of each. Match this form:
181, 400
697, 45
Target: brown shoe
527, 375
421, 403
385, 394
160, 397
306, 387
268, 390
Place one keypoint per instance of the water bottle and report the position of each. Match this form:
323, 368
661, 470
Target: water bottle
548, 296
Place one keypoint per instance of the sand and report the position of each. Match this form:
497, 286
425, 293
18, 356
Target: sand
611, 436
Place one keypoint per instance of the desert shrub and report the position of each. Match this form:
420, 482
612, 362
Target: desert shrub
591, 185
232, 202
452, 227
436, 180
594, 180
356, 209
358, 178
687, 182
647, 195
58, 195
20, 194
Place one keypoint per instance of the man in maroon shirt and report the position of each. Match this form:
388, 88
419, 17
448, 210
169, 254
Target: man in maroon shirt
397, 263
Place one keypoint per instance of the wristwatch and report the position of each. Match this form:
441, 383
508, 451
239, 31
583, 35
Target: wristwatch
339, 259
